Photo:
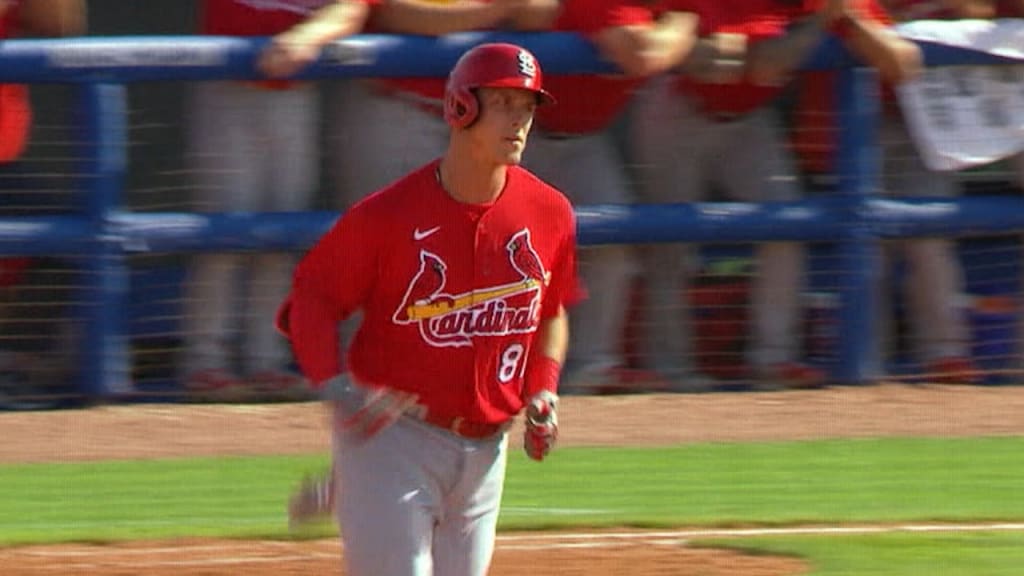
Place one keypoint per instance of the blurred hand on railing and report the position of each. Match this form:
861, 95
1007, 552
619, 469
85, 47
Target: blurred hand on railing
286, 55
720, 58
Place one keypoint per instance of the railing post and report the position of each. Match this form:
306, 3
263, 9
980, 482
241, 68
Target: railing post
859, 251
106, 367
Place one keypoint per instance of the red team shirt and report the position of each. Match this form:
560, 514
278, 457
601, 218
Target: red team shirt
258, 18
589, 103
15, 118
15, 113
759, 20
451, 293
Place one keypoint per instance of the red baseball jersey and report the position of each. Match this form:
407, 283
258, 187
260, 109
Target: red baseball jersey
589, 103
15, 113
452, 294
255, 17
758, 20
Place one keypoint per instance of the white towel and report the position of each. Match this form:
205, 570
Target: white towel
963, 116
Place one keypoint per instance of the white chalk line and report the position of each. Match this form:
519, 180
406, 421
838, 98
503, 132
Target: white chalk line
257, 520
518, 542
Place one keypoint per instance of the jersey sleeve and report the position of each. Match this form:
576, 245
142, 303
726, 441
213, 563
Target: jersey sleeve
565, 289
766, 20
332, 281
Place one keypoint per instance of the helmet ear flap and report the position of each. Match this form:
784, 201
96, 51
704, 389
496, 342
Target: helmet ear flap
461, 108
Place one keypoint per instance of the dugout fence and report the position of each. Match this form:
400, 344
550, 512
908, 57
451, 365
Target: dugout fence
100, 233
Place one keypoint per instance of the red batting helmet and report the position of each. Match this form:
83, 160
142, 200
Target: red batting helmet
489, 65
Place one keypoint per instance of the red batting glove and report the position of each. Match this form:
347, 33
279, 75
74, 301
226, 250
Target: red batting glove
541, 425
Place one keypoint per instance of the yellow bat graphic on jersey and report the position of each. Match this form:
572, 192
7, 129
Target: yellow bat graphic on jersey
432, 309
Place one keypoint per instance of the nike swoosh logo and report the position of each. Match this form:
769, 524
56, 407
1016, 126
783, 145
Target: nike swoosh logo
418, 235
407, 497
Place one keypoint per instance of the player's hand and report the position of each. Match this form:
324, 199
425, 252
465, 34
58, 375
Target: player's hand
541, 425
364, 412
720, 58
286, 54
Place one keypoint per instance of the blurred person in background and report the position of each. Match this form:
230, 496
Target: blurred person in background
714, 125
934, 280
572, 149
386, 127
253, 148
25, 342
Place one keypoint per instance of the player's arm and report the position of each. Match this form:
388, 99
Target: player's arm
300, 45
549, 349
331, 281
896, 59
534, 15
773, 61
649, 49
978, 9
52, 17
438, 19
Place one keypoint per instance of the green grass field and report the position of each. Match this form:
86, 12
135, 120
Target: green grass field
835, 482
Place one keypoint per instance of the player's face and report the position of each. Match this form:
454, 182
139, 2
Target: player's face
506, 115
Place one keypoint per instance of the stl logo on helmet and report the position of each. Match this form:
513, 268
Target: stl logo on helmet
527, 65
454, 319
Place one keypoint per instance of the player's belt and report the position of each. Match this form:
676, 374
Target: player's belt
460, 426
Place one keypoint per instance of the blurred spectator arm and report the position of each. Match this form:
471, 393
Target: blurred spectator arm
719, 58
904, 11
534, 15
896, 59
646, 50
52, 17
773, 61
300, 45
975, 9
428, 18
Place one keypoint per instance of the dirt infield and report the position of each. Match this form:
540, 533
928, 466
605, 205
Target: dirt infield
153, 431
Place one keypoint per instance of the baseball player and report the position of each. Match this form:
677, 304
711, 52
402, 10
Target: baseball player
27, 357
713, 126
369, 154
463, 270
253, 148
934, 278
30, 18
572, 149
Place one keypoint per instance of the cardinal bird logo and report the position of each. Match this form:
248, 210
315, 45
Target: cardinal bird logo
524, 258
447, 319
426, 285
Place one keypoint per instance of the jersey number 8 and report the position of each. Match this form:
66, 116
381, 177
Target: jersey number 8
511, 363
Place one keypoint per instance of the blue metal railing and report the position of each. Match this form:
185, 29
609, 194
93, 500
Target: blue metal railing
105, 233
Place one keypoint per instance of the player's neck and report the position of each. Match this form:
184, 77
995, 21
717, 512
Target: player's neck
469, 181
